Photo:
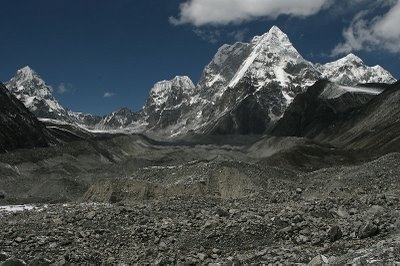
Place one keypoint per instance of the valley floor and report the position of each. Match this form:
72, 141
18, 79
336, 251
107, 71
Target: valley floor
285, 227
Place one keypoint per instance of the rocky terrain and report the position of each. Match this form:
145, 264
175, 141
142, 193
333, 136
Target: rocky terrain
288, 224
131, 199
19, 128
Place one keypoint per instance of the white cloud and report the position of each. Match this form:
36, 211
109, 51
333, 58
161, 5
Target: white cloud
108, 94
239, 35
377, 33
62, 88
211, 36
223, 12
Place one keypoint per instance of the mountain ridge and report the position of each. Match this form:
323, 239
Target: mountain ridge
268, 67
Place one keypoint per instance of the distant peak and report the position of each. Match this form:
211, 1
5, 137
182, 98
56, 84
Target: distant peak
177, 81
352, 57
179, 78
26, 73
276, 31
273, 35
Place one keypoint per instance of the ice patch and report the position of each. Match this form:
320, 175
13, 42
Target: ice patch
335, 91
16, 208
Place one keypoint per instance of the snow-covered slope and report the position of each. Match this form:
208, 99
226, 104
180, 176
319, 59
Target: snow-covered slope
351, 71
170, 93
333, 91
120, 119
168, 100
37, 96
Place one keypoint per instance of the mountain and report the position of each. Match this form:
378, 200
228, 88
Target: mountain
36, 95
19, 128
318, 111
168, 101
351, 71
119, 119
245, 89
364, 119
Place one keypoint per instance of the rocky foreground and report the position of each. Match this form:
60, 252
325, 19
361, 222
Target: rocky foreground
285, 227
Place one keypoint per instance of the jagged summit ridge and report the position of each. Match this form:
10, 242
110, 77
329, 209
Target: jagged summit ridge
37, 96
275, 35
27, 73
28, 83
271, 54
351, 70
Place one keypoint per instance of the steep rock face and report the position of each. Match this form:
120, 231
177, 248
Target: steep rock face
370, 127
223, 67
168, 100
19, 128
36, 95
246, 118
322, 108
374, 126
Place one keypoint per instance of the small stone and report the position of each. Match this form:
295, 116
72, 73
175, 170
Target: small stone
202, 256
341, 212
57, 221
368, 230
299, 190
302, 239
375, 210
319, 260
297, 219
90, 215
352, 211
19, 239
335, 233
162, 246
216, 251
234, 211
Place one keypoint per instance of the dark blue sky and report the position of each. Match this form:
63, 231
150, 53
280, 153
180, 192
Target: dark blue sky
124, 46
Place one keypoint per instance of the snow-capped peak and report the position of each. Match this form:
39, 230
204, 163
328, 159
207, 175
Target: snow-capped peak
351, 70
271, 54
183, 81
166, 89
166, 86
348, 59
352, 57
274, 35
26, 73
37, 96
